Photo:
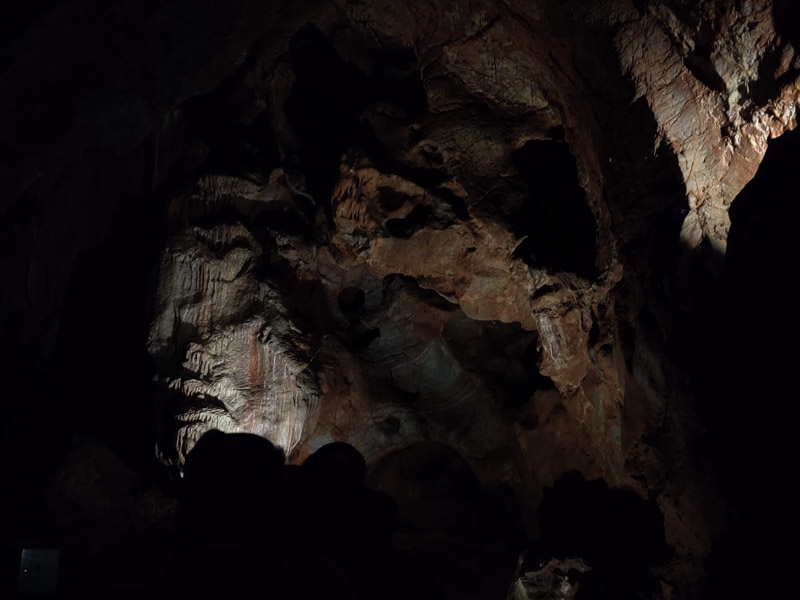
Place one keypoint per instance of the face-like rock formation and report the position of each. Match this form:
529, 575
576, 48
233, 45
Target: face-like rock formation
227, 353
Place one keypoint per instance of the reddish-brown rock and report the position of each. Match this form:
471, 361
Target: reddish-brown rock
405, 222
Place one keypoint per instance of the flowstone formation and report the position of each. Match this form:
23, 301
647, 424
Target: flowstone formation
472, 224
229, 356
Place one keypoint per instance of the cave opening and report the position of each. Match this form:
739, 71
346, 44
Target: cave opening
560, 227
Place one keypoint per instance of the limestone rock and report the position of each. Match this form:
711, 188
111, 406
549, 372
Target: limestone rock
228, 355
719, 93
555, 580
469, 223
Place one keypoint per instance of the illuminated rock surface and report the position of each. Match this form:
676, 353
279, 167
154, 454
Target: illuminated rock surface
555, 580
475, 224
241, 366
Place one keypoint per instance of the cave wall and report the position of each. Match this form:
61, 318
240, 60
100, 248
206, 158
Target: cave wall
472, 223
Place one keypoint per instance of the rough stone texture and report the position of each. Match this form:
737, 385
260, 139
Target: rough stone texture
550, 582
721, 83
467, 222
241, 365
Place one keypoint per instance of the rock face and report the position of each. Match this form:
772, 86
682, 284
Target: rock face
551, 581
241, 364
721, 83
387, 223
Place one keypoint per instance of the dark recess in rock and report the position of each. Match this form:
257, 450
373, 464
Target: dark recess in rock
398, 81
287, 221
351, 302
235, 147
503, 353
393, 283
786, 14
457, 204
323, 108
559, 226
406, 226
618, 533
703, 69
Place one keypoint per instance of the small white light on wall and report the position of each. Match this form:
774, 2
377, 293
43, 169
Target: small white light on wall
38, 571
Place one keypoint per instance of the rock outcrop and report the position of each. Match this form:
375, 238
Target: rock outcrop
469, 223
555, 580
224, 343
